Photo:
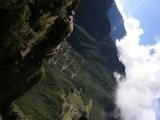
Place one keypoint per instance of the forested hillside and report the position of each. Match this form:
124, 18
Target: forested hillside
31, 30
47, 76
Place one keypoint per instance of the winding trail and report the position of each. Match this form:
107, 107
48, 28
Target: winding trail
56, 61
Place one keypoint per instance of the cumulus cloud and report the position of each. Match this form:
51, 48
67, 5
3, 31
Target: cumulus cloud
137, 96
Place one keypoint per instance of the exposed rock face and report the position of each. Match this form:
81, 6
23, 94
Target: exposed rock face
26, 51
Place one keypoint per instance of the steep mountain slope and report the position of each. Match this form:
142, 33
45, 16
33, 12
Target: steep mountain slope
86, 71
96, 22
78, 82
94, 17
30, 32
117, 23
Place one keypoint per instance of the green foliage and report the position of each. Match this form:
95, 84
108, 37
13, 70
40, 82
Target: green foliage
25, 40
24, 16
30, 25
107, 47
67, 115
93, 81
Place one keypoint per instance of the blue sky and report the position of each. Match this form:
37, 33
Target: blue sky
138, 95
148, 13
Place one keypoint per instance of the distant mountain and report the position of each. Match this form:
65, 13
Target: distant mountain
117, 22
96, 22
91, 15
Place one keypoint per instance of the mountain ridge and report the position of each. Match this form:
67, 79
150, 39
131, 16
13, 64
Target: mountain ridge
117, 23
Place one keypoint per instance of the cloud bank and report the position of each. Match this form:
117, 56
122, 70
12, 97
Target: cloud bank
137, 96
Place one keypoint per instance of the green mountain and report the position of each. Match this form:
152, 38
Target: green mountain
75, 84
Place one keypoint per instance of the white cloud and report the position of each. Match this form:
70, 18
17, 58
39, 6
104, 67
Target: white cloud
136, 96
157, 108
120, 8
157, 37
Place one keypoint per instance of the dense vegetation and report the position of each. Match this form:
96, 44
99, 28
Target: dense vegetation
78, 82
27, 39
94, 82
